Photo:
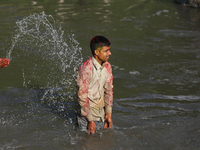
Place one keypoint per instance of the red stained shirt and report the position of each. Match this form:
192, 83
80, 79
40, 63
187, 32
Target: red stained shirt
95, 83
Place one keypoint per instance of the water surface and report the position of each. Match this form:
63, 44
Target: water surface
155, 60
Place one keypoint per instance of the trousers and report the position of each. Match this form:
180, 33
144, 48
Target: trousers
83, 123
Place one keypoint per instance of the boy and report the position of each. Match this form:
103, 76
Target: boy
95, 83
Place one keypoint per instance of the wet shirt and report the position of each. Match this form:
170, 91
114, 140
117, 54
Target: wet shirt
95, 93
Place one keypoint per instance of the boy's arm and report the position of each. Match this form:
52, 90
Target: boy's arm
83, 84
108, 96
83, 81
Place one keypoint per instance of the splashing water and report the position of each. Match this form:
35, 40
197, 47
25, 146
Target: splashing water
49, 58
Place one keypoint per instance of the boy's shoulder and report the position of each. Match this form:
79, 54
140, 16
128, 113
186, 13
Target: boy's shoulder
87, 64
107, 65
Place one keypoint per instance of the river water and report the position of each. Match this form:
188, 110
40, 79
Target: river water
156, 66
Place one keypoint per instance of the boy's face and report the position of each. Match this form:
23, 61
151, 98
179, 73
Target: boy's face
103, 54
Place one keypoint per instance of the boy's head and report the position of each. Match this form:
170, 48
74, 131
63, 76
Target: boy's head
98, 42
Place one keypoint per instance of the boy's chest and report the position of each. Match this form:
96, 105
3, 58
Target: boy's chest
98, 77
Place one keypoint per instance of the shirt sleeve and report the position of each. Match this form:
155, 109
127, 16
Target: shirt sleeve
108, 93
83, 82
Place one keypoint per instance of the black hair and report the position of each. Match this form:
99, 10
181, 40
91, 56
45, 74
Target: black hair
98, 41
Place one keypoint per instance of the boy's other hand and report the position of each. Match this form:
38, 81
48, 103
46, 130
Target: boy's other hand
91, 127
108, 121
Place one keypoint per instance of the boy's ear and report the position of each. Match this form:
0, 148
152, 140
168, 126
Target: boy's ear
96, 52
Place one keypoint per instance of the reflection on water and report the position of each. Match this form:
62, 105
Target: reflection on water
155, 60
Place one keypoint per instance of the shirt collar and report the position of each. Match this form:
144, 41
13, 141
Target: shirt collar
96, 64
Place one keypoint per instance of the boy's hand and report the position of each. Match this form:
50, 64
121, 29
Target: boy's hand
91, 127
108, 121
4, 62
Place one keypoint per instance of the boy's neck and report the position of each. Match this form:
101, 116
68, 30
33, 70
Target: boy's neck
99, 61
